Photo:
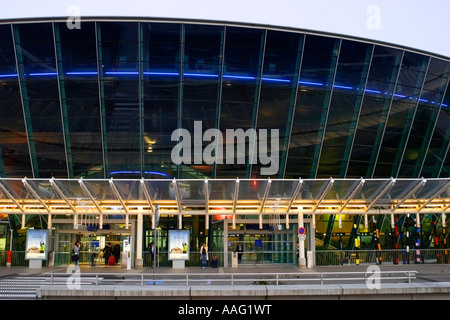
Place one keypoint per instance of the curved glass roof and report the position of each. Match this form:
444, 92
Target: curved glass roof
103, 101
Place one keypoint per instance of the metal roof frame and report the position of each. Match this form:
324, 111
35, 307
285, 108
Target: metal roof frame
66, 198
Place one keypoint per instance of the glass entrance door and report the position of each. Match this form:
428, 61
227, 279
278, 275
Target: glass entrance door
265, 247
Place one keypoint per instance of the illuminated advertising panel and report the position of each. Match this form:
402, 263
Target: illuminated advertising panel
178, 244
36, 245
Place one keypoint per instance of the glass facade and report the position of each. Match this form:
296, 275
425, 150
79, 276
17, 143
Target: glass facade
103, 101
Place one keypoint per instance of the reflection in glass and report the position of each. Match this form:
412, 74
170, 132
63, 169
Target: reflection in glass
78, 77
383, 75
37, 68
240, 87
120, 88
316, 76
349, 86
406, 98
15, 160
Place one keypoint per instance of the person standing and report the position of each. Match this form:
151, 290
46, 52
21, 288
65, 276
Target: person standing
107, 252
153, 252
240, 250
116, 251
204, 254
76, 254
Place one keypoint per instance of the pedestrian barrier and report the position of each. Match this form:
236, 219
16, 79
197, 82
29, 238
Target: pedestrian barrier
231, 279
321, 258
397, 256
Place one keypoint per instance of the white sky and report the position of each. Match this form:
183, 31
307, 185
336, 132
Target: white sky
416, 24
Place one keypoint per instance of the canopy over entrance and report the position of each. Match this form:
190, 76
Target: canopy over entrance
104, 197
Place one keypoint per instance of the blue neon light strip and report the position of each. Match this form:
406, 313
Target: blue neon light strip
149, 73
201, 75
342, 87
239, 77
42, 74
83, 73
138, 172
206, 75
8, 75
374, 91
311, 83
276, 80
122, 73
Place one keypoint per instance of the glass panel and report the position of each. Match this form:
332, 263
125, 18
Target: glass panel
406, 96
44, 189
400, 189
312, 189
371, 189
445, 172
221, 189
17, 189
425, 118
439, 144
283, 189
72, 189
191, 190
161, 79
342, 189
36, 57
77, 58
383, 75
201, 67
129, 189
279, 85
13, 137
317, 71
160, 189
242, 67
100, 190
352, 69
252, 189
120, 84
430, 189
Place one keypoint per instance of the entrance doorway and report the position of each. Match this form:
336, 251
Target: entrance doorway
263, 247
91, 244
273, 244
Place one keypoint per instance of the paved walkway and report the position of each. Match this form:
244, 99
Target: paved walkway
426, 272
433, 281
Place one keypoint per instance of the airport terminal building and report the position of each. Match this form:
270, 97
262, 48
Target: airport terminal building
267, 141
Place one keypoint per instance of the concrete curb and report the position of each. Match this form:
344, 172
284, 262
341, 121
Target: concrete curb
250, 292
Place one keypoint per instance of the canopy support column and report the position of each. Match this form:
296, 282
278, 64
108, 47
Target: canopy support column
301, 241
139, 262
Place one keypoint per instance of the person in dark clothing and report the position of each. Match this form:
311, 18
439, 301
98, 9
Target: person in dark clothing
107, 252
240, 251
204, 255
116, 251
153, 252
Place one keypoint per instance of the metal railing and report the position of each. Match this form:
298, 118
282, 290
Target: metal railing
230, 279
398, 256
322, 258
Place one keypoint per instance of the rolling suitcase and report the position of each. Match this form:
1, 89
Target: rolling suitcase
214, 262
111, 261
